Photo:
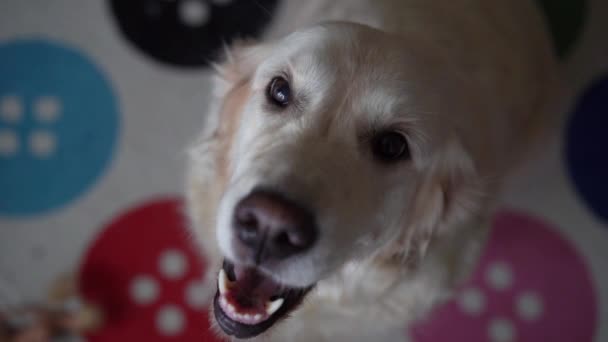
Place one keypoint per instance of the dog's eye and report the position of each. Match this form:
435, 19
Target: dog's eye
279, 91
390, 147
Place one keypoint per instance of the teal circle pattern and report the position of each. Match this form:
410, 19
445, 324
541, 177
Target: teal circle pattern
59, 123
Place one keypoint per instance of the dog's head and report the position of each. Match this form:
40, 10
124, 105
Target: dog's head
336, 143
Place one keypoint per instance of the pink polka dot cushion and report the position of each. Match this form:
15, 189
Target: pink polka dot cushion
531, 285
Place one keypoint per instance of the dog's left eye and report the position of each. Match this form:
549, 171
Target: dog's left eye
390, 146
279, 91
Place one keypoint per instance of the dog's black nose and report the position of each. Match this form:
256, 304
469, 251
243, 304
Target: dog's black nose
270, 226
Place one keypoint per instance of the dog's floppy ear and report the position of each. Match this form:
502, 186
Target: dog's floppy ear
233, 73
448, 195
231, 86
238, 64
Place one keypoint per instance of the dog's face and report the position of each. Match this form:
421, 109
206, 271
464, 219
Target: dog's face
333, 144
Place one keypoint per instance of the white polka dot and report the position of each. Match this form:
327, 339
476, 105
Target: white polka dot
529, 306
472, 301
42, 144
221, 2
11, 109
72, 304
499, 276
9, 143
47, 109
197, 295
170, 320
173, 264
501, 330
144, 290
194, 12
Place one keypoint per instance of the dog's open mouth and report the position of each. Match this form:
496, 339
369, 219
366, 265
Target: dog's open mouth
248, 302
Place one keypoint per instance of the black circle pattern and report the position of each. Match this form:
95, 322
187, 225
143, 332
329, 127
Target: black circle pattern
160, 29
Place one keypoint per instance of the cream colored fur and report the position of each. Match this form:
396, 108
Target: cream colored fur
468, 81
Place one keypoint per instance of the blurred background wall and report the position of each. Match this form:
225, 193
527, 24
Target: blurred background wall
98, 100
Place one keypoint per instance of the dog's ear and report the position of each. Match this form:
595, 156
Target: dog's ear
231, 87
449, 194
233, 73
238, 64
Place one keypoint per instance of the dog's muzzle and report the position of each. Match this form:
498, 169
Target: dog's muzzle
268, 228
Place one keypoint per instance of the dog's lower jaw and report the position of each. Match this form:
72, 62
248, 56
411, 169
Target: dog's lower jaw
335, 307
381, 295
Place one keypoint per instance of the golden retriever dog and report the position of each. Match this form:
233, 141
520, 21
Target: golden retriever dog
345, 178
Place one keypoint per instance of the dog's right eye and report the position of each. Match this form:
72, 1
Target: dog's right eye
390, 147
279, 92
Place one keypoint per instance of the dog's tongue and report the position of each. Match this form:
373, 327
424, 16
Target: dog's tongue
248, 301
251, 289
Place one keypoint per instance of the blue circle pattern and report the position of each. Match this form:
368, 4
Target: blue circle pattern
84, 129
587, 148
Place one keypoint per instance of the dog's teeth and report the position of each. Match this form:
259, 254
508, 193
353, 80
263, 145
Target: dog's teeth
222, 282
257, 317
272, 307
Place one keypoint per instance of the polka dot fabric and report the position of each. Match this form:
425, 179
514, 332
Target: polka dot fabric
59, 123
89, 175
145, 274
586, 143
189, 33
529, 284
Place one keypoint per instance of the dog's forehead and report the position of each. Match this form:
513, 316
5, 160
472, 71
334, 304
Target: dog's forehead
369, 77
357, 61
346, 47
